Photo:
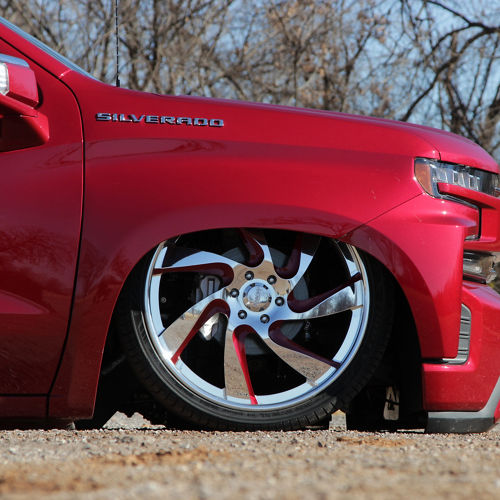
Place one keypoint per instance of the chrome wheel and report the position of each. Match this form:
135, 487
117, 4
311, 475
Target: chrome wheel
256, 328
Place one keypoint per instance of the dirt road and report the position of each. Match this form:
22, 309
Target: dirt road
132, 459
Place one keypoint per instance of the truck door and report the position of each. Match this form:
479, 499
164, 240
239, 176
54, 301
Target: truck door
41, 189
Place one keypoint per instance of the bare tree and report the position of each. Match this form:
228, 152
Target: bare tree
64, 26
454, 48
313, 53
170, 44
161, 41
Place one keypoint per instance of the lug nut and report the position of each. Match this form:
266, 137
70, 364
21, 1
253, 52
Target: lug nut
249, 275
279, 301
271, 280
264, 318
234, 292
242, 314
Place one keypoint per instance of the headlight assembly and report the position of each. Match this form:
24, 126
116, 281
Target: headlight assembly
429, 173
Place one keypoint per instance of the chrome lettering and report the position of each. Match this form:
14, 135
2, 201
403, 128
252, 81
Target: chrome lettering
103, 117
135, 119
155, 119
168, 119
216, 122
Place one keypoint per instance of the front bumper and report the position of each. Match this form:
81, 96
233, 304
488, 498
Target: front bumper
422, 243
466, 421
466, 397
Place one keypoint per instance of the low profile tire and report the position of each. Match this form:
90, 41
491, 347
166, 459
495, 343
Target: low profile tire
247, 329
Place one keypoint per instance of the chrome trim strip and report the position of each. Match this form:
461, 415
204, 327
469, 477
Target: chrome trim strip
463, 340
13, 60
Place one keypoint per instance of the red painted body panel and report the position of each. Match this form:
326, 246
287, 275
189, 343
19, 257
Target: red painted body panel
336, 175
22, 84
421, 243
39, 237
467, 387
21, 407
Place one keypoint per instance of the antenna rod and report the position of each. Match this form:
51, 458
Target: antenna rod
117, 41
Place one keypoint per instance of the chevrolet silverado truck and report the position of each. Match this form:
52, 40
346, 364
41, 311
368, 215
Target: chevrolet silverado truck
228, 265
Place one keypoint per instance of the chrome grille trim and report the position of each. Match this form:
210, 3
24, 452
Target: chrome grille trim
464, 339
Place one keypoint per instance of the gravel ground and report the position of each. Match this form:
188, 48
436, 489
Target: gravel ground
132, 459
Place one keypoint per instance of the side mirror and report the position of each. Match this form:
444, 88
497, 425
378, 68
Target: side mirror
17, 80
23, 125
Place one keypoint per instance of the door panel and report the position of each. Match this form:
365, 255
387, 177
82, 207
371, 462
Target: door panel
41, 192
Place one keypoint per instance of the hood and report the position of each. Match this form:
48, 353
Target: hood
357, 132
280, 125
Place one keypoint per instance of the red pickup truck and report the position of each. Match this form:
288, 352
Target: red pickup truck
229, 265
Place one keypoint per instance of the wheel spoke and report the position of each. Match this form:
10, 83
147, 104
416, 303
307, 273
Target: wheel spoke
340, 299
255, 297
300, 258
178, 335
255, 243
307, 363
236, 375
179, 259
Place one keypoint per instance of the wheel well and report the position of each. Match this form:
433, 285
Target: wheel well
400, 367
118, 388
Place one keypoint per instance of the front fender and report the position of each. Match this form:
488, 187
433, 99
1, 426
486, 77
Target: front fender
105, 264
143, 189
421, 243
142, 209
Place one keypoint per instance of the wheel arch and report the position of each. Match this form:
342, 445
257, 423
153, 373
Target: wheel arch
400, 370
105, 268
421, 244
110, 252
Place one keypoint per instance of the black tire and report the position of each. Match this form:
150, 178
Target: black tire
332, 265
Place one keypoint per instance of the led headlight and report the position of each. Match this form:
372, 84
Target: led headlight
431, 172
4, 79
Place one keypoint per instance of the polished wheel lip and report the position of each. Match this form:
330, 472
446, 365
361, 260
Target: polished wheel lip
261, 403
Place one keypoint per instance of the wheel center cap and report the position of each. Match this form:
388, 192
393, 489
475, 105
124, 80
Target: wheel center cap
257, 297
